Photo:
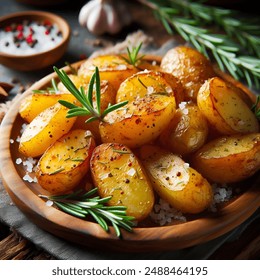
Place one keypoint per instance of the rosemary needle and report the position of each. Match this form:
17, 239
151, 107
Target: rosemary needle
82, 205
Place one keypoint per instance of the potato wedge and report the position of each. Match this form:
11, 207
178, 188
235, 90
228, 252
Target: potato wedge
117, 172
175, 181
44, 130
150, 82
225, 109
34, 104
189, 66
66, 162
187, 132
138, 122
229, 159
112, 68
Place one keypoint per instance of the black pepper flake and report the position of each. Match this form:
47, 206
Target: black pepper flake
127, 181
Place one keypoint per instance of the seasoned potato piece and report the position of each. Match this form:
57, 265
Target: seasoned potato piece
187, 131
225, 109
189, 66
229, 158
112, 68
138, 122
117, 172
150, 82
34, 104
174, 181
66, 162
44, 130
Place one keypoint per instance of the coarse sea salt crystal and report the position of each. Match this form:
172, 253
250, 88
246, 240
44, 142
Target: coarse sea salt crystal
11, 141
131, 172
182, 105
28, 178
18, 161
49, 203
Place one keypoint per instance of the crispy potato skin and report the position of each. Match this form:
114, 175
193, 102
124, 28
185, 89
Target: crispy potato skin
174, 181
187, 131
225, 109
66, 162
229, 159
30, 108
138, 122
189, 66
44, 130
112, 68
150, 82
116, 171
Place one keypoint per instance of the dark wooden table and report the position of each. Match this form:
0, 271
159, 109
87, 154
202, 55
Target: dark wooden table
82, 43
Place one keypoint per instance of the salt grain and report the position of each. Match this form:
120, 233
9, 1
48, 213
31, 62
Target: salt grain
18, 161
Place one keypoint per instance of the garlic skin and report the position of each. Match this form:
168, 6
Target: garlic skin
104, 16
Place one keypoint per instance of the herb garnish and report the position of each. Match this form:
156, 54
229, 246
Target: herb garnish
237, 50
255, 108
82, 205
133, 53
86, 100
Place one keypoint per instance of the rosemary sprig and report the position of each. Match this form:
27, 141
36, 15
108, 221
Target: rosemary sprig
82, 205
196, 22
255, 108
86, 99
133, 55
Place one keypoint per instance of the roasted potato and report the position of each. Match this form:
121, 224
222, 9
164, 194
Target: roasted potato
150, 82
34, 104
138, 122
66, 162
229, 159
190, 66
175, 181
225, 109
187, 131
112, 68
117, 172
44, 130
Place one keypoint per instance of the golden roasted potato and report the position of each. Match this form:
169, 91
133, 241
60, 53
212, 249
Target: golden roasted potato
150, 82
34, 104
112, 68
138, 122
229, 159
190, 66
225, 109
117, 172
66, 162
44, 130
187, 131
175, 181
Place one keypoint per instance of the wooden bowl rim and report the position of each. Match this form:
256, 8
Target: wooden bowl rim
89, 234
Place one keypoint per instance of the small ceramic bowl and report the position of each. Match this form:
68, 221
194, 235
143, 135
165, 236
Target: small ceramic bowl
32, 40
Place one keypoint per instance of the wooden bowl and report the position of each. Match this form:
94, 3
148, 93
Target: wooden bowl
198, 229
40, 59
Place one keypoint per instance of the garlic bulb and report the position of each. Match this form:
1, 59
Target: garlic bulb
104, 16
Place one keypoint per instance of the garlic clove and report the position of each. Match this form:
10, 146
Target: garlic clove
97, 22
86, 11
101, 16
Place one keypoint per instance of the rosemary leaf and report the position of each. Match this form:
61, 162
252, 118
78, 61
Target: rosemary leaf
83, 204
